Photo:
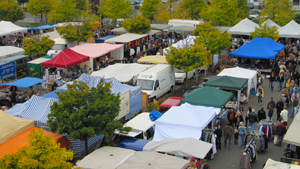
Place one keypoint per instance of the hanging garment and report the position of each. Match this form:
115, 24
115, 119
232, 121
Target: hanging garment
213, 141
245, 161
262, 143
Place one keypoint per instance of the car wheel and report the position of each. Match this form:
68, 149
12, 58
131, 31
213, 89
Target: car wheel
171, 89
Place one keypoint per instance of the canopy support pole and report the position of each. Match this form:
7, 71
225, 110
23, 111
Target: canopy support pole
239, 99
92, 64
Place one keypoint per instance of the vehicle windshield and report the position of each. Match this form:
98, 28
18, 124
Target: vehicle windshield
145, 84
179, 70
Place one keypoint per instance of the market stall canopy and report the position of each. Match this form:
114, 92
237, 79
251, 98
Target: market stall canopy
153, 59
7, 28
238, 72
292, 135
208, 96
222, 29
259, 48
226, 82
290, 30
66, 59
188, 147
184, 121
10, 50
105, 157
104, 38
122, 72
125, 38
244, 27
160, 26
10, 126
21, 140
42, 27
122, 30
182, 28
94, 50
271, 23
272, 164
153, 160
24, 82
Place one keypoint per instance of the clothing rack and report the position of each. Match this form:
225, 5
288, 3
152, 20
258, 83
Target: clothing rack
266, 122
257, 133
247, 146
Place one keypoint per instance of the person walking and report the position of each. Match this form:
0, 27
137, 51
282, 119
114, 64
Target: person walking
230, 117
238, 118
259, 80
279, 107
280, 131
272, 81
287, 76
280, 80
228, 134
295, 105
261, 114
252, 120
218, 132
270, 112
271, 103
260, 92
242, 133
247, 115
284, 114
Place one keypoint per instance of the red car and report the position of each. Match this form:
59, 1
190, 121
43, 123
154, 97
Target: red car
167, 104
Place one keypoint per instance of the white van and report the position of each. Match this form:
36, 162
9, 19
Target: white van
142, 127
157, 80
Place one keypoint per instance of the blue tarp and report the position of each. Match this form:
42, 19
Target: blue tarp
42, 27
259, 48
154, 115
134, 144
25, 82
102, 39
52, 94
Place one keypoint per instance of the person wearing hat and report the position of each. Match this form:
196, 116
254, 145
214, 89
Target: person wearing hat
228, 134
242, 133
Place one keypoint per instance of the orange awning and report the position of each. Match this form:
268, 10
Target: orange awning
12, 145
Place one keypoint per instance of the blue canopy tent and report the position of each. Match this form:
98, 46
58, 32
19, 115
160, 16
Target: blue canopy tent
102, 39
52, 94
42, 27
25, 82
259, 48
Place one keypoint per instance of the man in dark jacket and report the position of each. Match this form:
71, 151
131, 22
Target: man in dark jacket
280, 80
218, 132
270, 112
252, 120
280, 131
279, 107
231, 117
261, 114
228, 134
271, 103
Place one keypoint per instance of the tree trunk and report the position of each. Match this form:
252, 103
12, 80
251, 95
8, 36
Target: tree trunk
186, 79
115, 22
86, 146
197, 76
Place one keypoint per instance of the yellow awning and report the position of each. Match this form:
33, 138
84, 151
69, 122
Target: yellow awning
153, 59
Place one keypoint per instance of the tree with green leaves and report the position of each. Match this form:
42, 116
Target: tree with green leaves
243, 8
170, 10
84, 112
42, 152
64, 11
266, 31
40, 7
138, 25
149, 8
193, 7
37, 46
187, 58
115, 9
22, 2
279, 11
11, 11
212, 38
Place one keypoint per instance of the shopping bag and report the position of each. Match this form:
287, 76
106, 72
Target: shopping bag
287, 84
275, 139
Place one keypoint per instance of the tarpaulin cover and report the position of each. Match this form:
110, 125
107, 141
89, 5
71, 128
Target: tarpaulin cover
292, 135
154, 115
259, 48
153, 59
102, 39
52, 94
94, 50
21, 140
66, 59
7, 27
208, 96
42, 27
272, 164
184, 121
133, 144
25, 82
11, 126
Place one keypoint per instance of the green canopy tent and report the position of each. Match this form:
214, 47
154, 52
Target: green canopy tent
208, 96
35, 68
227, 82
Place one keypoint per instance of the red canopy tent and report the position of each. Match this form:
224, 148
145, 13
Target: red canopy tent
66, 59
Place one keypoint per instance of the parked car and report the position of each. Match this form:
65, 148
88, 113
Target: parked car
251, 5
253, 15
180, 75
167, 104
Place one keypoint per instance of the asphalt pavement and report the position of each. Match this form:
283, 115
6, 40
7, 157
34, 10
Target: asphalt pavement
229, 159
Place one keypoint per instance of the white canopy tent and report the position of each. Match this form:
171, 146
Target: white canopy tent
244, 27
10, 51
190, 40
272, 164
290, 30
184, 121
153, 160
188, 147
251, 75
125, 38
122, 72
7, 27
271, 23
292, 135
105, 157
